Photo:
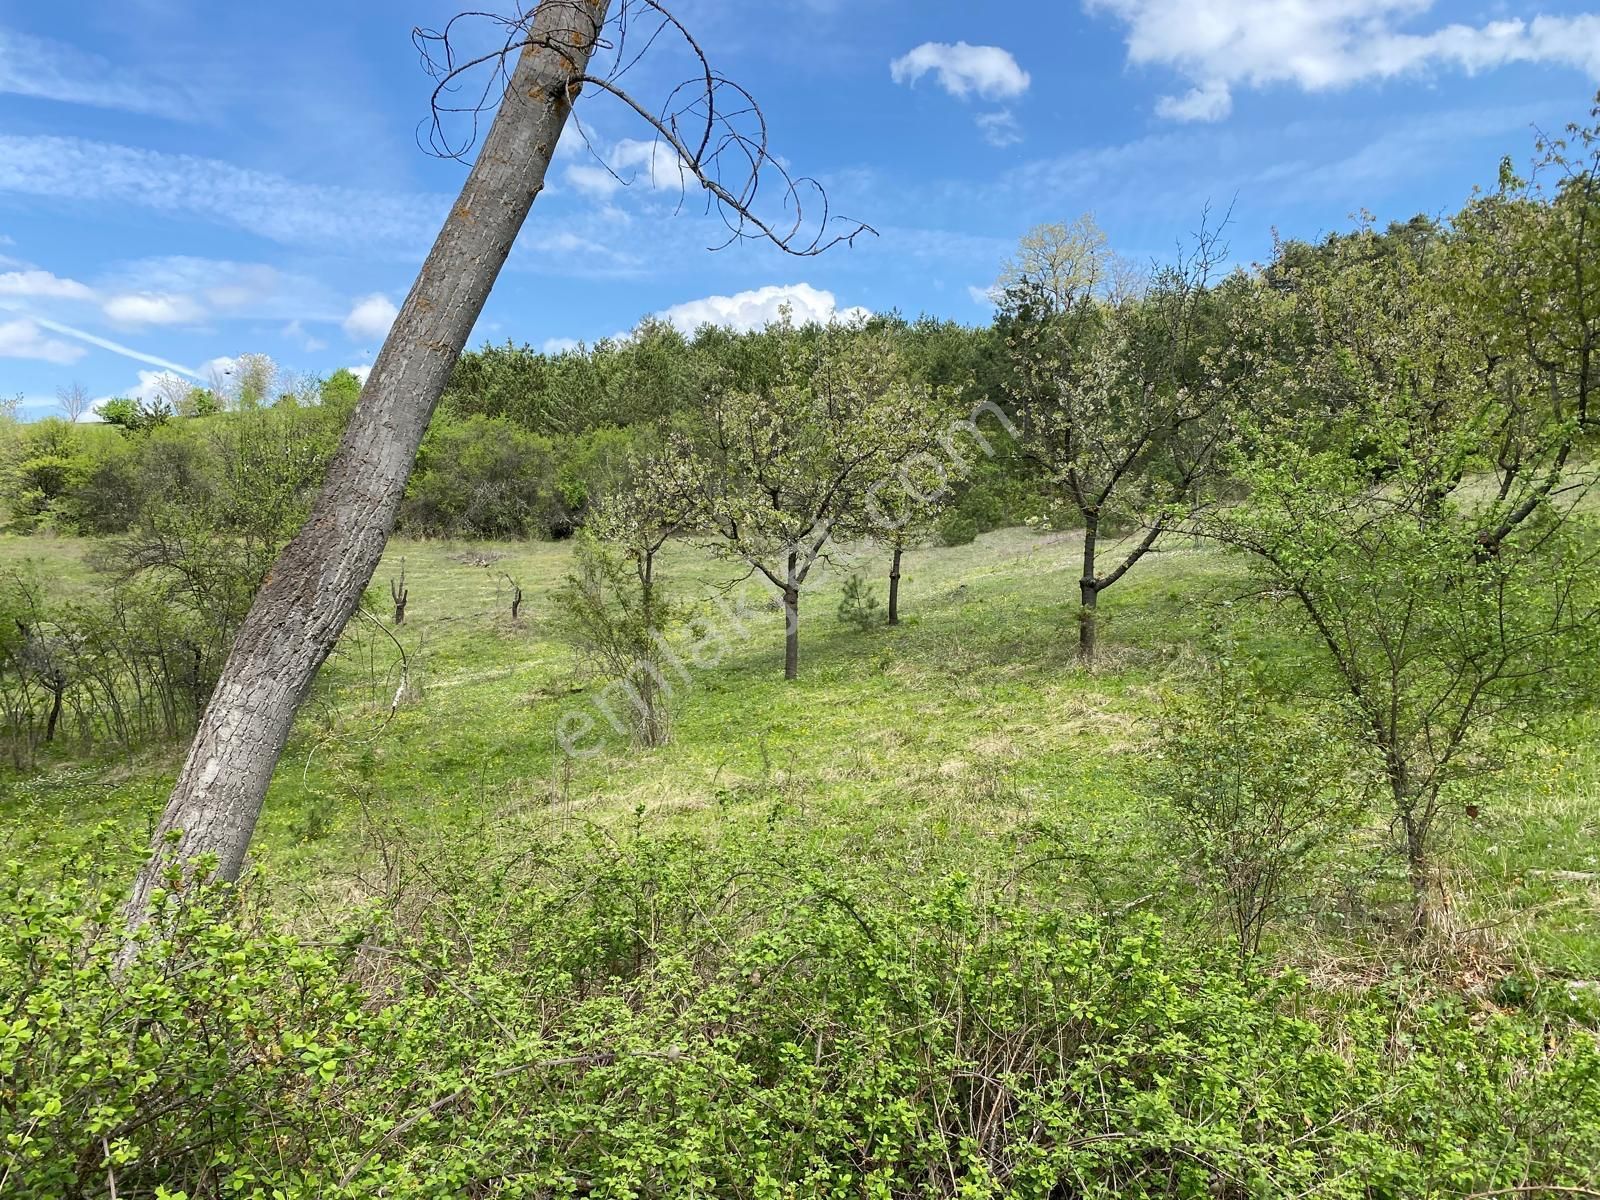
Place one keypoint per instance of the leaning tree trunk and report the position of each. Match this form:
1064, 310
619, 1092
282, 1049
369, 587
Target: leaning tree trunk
1088, 589
894, 587
316, 584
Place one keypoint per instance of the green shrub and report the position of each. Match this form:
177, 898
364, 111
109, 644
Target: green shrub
1255, 794
616, 627
108, 499
633, 1016
483, 477
859, 605
204, 1069
1000, 491
957, 529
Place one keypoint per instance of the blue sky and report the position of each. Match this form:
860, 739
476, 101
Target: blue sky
183, 181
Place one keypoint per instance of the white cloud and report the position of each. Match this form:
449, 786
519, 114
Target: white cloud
759, 308
270, 206
300, 215
1218, 45
592, 180
42, 285
554, 346
571, 142
171, 291
295, 331
651, 164
229, 289
33, 407
153, 308
961, 69
363, 373
48, 70
657, 163
26, 339
981, 295
1000, 128
370, 319
1210, 101
215, 371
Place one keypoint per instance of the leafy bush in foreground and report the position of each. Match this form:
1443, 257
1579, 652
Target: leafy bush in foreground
670, 1017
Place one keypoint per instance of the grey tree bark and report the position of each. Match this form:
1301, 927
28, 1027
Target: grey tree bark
317, 583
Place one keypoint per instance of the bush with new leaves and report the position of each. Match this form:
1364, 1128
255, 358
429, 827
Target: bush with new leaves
625, 1015
1255, 792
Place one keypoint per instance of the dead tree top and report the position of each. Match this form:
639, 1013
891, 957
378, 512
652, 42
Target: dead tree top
712, 125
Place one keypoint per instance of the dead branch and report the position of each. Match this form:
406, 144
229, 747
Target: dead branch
400, 595
711, 125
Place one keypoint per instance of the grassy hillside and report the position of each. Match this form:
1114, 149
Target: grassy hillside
969, 738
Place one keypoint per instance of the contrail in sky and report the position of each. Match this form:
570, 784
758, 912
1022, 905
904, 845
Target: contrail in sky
116, 347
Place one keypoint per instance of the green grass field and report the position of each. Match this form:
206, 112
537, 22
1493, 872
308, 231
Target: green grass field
969, 735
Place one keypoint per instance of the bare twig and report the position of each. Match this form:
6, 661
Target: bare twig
709, 124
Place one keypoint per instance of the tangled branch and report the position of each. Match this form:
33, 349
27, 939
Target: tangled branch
710, 124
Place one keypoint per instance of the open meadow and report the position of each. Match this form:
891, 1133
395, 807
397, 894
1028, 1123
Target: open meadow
969, 738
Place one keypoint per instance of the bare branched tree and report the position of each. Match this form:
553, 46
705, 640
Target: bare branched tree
516, 595
73, 400
173, 391
531, 77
